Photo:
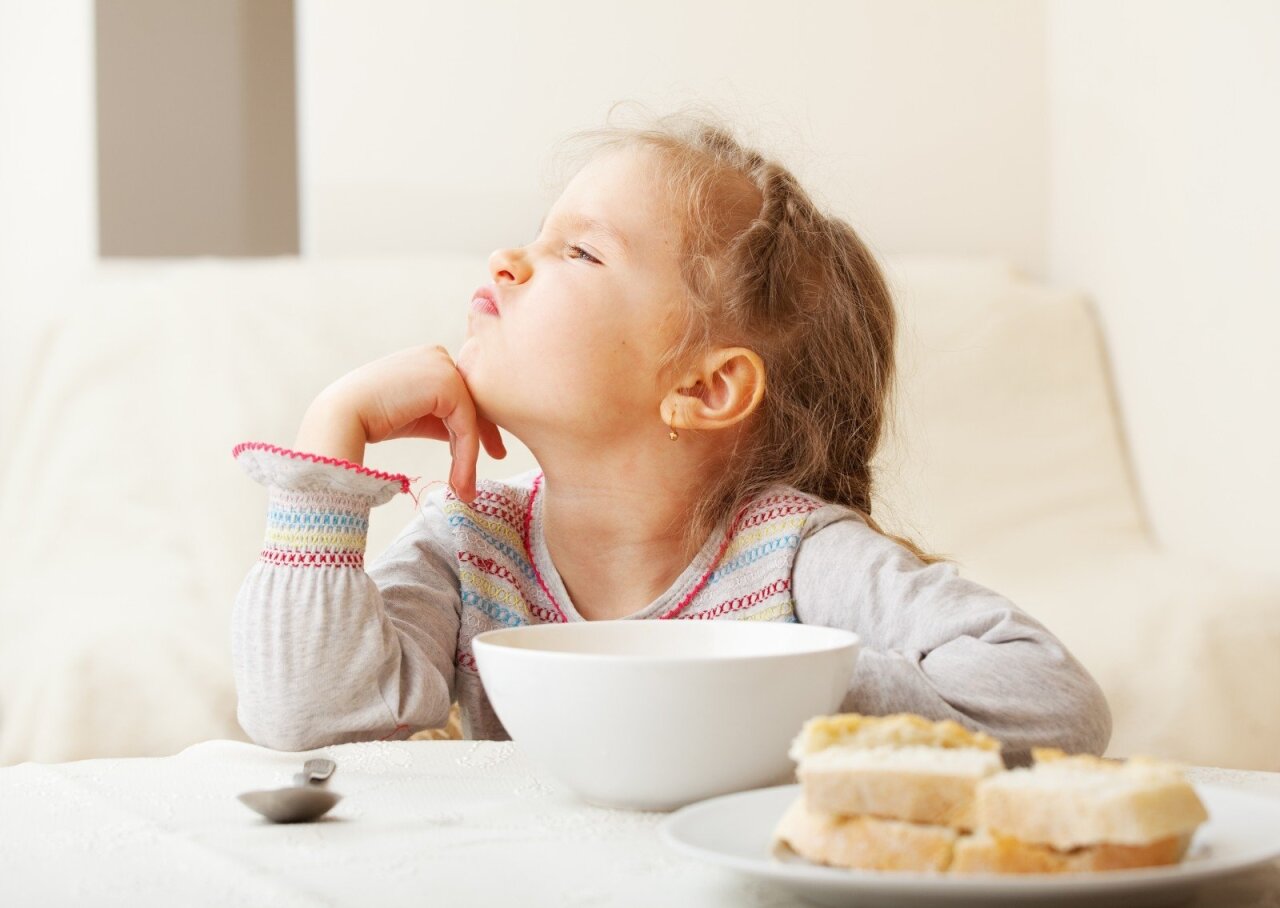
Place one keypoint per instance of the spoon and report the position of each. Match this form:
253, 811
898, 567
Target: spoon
305, 801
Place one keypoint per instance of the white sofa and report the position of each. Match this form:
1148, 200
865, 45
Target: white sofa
127, 527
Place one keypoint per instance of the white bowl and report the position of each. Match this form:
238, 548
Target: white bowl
653, 715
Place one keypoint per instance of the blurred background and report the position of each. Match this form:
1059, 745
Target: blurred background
210, 210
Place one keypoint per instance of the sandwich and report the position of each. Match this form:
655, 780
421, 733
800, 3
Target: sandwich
1081, 813
901, 792
885, 793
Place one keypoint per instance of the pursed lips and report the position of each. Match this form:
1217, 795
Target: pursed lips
485, 300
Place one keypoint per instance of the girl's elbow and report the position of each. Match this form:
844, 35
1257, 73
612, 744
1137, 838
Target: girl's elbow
1089, 722
1101, 725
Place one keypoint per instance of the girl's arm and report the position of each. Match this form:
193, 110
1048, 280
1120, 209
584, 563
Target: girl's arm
942, 646
324, 652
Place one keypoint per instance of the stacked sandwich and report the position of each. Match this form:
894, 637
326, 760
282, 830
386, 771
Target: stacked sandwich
902, 793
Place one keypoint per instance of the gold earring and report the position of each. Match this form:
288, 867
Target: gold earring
673, 436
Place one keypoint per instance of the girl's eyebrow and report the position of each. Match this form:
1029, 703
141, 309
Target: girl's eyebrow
595, 226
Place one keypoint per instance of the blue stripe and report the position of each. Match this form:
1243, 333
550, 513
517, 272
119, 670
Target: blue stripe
754, 554
521, 562
316, 518
495, 610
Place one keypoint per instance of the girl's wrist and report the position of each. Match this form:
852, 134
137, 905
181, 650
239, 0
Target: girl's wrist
332, 428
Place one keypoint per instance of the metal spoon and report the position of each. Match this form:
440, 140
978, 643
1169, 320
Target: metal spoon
307, 800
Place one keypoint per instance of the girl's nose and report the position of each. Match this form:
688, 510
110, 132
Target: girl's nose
508, 265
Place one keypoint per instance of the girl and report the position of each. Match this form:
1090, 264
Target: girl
700, 362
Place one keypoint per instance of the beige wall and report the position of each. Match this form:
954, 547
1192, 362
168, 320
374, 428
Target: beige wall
196, 128
1165, 205
426, 126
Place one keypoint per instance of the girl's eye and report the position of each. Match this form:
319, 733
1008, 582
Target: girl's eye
584, 254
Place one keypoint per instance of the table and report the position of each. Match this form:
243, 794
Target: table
421, 823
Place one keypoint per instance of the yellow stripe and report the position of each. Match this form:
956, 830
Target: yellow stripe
773, 611
497, 527
485, 585
749, 538
336, 540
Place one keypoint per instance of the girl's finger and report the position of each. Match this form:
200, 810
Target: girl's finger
492, 439
425, 427
466, 451
465, 458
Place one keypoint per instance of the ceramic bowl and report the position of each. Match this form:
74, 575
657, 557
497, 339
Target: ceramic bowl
653, 715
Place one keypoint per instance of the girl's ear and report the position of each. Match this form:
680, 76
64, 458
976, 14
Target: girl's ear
726, 391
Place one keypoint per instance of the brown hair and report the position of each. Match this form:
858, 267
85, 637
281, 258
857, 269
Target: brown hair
765, 269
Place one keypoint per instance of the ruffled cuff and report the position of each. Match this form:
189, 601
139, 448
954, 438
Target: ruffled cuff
318, 514
298, 471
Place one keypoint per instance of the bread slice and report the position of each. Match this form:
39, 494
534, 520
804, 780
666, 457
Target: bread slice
897, 730
1068, 802
917, 784
901, 792
869, 843
897, 767
987, 853
862, 843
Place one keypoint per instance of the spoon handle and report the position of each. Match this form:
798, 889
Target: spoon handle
315, 772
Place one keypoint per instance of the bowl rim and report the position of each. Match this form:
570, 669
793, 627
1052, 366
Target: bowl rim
851, 640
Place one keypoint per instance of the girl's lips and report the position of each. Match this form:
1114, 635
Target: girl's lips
484, 305
484, 300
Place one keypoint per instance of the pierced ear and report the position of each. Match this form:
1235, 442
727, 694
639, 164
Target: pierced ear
727, 391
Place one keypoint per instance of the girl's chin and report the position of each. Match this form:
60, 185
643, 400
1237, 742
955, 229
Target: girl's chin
472, 375
465, 360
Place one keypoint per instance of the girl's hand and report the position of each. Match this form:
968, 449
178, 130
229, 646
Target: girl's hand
413, 393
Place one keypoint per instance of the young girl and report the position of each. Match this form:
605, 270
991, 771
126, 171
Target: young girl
700, 362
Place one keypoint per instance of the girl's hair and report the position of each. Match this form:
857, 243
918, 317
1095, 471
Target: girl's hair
765, 269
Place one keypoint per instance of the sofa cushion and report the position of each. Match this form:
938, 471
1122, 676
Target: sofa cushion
128, 523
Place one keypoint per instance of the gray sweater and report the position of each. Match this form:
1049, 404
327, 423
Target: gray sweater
325, 651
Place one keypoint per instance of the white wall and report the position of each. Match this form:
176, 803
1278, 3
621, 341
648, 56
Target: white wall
1165, 205
48, 185
1137, 163
426, 126
48, 201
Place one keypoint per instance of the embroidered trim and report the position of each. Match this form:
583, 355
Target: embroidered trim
764, 510
528, 549
312, 559
318, 458
315, 529
791, 504
755, 554
785, 611
492, 504
779, 506
458, 517
747, 601
488, 565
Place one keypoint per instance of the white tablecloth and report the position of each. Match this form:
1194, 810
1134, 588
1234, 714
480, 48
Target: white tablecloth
420, 823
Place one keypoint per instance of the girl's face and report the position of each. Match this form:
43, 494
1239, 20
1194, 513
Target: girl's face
585, 312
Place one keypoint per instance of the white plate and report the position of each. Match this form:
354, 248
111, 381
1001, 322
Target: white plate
735, 831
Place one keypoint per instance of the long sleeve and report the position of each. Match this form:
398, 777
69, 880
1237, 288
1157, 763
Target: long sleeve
945, 647
324, 652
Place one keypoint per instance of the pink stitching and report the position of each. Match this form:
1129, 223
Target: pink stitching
488, 566
528, 521
528, 549
317, 458
671, 613
765, 514
312, 559
750, 599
